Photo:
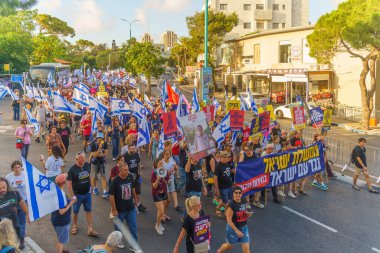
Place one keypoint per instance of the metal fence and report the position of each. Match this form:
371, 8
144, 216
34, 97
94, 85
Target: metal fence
353, 113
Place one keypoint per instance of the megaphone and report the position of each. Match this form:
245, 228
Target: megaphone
161, 172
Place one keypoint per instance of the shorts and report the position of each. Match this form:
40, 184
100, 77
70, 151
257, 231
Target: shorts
193, 193
86, 200
359, 171
232, 238
225, 195
98, 169
63, 233
160, 197
86, 137
171, 185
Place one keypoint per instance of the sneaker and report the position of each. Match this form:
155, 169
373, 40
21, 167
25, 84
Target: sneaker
323, 187
291, 195
106, 195
162, 227
143, 207
281, 193
158, 230
372, 191
95, 191
22, 244
38, 140
222, 209
316, 184
178, 208
356, 187
121, 245
215, 202
134, 250
140, 209
257, 204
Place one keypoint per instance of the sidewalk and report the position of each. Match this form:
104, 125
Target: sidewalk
31, 246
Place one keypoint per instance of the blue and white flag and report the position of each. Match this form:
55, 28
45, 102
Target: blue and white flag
84, 87
139, 110
222, 129
243, 104
13, 95
46, 100
143, 137
97, 115
234, 139
37, 95
32, 121
50, 80
160, 147
29, 91
132, 82
194, 103
253, 104
44, 196
62, 105
80, 96
147, 101
119, 107
96, 105
3, 91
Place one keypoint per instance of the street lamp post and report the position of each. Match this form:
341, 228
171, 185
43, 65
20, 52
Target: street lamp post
130, 25
203, 96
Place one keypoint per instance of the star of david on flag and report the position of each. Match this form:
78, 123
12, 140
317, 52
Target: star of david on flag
62, 105
143, 137
139, 110
222, 129
119, 107
80, 96
44, 196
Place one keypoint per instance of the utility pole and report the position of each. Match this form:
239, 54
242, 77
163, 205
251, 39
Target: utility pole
205, 65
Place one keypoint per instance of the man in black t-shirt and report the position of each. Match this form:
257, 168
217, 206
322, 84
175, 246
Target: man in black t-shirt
99, 151
194, 179
132, 159
9, 202
360, 161
78, 185
122, 195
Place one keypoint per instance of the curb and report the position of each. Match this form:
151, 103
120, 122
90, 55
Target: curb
349, 180
33, 245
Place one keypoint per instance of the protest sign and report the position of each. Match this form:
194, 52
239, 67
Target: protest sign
248, 116
255, 125
197, 134
209, 112
316, 116
236, 120
264, 120
298, 116
201, 229
233, 105
170, 125
327, 119
269, 108
280, 168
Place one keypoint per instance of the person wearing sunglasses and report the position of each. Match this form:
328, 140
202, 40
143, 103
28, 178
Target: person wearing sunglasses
236, 228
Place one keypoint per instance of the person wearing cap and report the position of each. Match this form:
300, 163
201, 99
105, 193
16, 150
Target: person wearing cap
61, 218
269, 149
223, 181
99, 151
23, 134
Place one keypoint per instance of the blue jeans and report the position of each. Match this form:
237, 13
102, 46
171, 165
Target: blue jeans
25, 151
115, 145
182, 179
16, 112
21, 219
131, 220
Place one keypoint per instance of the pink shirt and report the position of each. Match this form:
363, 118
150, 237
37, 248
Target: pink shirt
20, 131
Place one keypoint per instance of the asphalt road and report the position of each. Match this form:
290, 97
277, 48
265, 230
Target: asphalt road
339, 220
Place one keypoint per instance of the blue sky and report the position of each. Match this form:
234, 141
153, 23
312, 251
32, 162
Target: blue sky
99, 20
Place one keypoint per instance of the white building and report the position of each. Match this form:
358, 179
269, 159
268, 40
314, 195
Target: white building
146, 38
262, 15
169, 39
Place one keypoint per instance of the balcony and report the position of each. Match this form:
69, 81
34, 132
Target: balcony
263, 15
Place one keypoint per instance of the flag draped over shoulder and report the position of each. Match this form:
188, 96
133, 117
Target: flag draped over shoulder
44, 196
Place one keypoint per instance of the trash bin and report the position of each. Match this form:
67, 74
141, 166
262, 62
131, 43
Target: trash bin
372, 122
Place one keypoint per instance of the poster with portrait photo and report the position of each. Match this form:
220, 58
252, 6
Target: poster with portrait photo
198, 135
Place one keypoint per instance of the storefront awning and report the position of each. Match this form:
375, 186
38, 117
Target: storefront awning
278, 79
290, 78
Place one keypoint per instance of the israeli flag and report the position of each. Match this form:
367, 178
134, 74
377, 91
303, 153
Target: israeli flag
3, 91
84, 87
180, 113
97, 115
147, 101
81, 97
37, 95
139, 110
13, 95
44, 196
253, 104
195, 105
132, 82
243, 104
119, 107
96, 105
215, 103
61, 105
222, 129
29, 91
234, 139
50, 80
143, 137
160, 144
68, 83
46, 100
32, 121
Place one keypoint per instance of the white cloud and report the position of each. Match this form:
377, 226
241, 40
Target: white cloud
336, 2
167, 5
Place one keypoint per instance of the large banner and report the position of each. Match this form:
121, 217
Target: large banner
198, 135
279, 169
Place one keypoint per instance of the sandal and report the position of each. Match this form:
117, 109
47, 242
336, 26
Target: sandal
219, 213
167, 218
74, 230
303, 192
92, 233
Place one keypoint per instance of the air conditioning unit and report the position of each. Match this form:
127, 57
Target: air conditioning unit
324, 66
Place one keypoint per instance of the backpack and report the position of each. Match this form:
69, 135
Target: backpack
352, 160
6, 249
89, 249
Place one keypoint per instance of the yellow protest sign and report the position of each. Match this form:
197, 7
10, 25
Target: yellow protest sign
233, 105
101, 88
327, 119
267, 108
102, 94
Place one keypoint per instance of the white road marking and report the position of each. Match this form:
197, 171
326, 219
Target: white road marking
376, 250
6, 127
3, 131
310, 219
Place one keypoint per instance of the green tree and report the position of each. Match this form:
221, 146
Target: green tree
145, 58
10, 7
353, 28
47, 48
16, 44
49, 25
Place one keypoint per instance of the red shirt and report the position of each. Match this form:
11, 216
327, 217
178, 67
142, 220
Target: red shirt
115, 171
175, 149
86, 130
162, 186
132, 131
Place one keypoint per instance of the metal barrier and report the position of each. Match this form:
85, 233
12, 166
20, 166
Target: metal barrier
353, 113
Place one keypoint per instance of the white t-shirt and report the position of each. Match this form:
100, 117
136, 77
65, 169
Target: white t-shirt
40, 113
18, 183
169, 166
53, 166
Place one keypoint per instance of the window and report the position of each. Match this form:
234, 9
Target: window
259, 6
285, 51
283, 25
276, 25
283, 7
259, 26
276, 7
223, 7
256, 54
247, 25
247, 7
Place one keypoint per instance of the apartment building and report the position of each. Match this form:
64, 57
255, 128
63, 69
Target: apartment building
262, 15
146, 38
169, 39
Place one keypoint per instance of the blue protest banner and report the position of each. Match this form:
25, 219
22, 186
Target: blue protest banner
316, 115
16, 78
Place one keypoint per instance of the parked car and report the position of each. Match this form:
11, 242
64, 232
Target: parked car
284, 110
245, 95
